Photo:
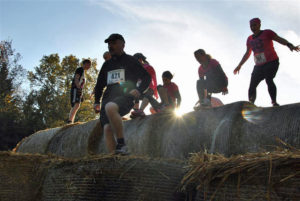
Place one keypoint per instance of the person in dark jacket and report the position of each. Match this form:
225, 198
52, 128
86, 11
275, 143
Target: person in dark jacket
119, 75
212, 78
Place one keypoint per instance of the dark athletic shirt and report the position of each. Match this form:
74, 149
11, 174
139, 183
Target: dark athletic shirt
120, 75
79, 71
213, 71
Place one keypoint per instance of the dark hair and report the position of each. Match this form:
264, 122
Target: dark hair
86, 61
202, 52
168, 75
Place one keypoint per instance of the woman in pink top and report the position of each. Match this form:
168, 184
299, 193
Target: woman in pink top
265, 57
212, 78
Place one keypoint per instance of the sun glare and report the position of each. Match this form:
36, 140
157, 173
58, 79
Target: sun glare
178, 112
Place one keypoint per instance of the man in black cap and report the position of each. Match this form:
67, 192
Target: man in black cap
119, 75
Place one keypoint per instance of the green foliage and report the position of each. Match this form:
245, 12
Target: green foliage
11, 116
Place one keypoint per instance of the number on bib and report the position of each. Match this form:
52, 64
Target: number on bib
260, 58
116, 76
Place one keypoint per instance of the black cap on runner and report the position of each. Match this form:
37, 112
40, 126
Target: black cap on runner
139, 56
114, 37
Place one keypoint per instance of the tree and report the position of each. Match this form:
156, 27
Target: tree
11, 116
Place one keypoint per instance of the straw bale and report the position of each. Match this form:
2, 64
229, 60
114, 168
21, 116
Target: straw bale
72, 140
101, 177
76, 141
231, 129
37, 142
253, 176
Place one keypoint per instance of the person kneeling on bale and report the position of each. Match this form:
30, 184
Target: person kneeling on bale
212, 78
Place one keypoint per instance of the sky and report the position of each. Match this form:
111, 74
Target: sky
167, 32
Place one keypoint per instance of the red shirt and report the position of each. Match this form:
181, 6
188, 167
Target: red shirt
262, 47
172, 88
153, 83
212, 64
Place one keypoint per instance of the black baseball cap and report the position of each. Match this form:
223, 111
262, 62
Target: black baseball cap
114, 37
139, 56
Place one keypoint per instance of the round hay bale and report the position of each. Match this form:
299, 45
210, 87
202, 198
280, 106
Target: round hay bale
73, 140
76, 141
37, 142
231, 129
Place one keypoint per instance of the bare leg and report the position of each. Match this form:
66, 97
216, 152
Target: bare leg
73, 112
144, 104
115, 120
205, 93
110, 139
163, 95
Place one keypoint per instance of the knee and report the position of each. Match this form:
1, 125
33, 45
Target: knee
77, 105
270, 81
107, 129
161, 89
111, 108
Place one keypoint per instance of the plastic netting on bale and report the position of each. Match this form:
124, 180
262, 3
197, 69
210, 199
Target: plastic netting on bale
254, 176
104, 177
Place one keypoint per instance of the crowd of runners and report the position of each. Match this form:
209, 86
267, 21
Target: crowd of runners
124, 81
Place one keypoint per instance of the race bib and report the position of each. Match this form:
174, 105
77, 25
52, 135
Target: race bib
115, 76
260, 58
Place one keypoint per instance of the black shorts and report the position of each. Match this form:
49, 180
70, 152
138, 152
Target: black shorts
75, 96
125, 104
266, 71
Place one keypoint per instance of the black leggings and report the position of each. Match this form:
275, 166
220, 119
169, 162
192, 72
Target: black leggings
267, 71
212, 86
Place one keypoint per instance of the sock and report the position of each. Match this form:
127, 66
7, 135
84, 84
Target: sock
121, 141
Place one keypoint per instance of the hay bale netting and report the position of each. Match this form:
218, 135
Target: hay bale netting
21, 176
74, 140
261, 126
106, 178
257, 176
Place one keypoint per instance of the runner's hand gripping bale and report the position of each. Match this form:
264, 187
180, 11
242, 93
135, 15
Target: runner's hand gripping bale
265, 58
119, 75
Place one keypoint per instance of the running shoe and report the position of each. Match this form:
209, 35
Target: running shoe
137, 113
69, 122
205, 102
121, 150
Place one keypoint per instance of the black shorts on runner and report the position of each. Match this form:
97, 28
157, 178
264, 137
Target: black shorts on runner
75, 97
125, 104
